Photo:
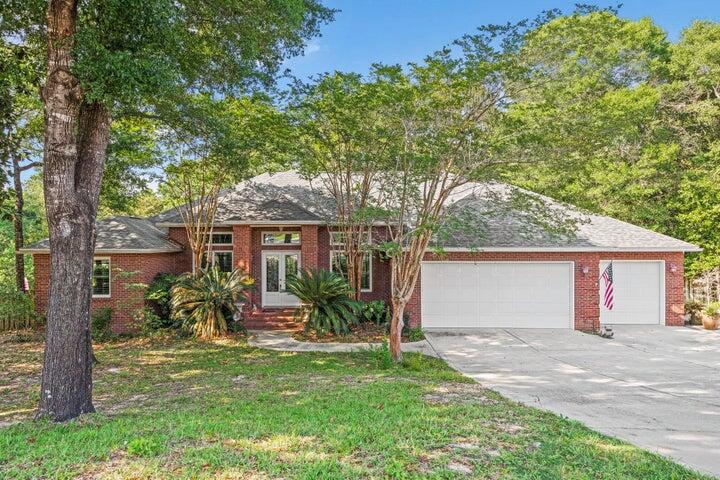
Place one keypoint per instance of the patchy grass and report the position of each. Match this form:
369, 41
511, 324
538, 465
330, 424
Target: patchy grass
365, 332
185, 409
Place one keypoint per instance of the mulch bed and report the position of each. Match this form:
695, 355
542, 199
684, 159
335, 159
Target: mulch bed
363, 333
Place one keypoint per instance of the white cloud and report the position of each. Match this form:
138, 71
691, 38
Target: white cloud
310, 48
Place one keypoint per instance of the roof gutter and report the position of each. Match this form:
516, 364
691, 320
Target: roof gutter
686, 249
109, 250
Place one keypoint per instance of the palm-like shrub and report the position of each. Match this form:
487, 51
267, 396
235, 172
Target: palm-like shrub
204, 302
326, 303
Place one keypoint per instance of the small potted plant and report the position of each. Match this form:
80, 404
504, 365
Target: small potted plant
711, 316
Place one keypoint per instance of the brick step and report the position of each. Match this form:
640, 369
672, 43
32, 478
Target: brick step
273, 326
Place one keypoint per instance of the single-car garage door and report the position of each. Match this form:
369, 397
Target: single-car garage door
639, 293
497, 294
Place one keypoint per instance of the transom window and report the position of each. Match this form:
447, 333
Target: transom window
338, 264
101, 277
223, 260
281, 238
338, 239
222, 238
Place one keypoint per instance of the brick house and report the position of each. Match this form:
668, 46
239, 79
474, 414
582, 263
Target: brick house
508, 270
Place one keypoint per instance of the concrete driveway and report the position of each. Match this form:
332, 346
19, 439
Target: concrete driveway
655, 387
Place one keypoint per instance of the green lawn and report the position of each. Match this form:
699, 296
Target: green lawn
187, 409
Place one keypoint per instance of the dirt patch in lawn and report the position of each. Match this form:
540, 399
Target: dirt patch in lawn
454, 393
363, 333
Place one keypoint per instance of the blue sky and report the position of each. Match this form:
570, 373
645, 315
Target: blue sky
398, 31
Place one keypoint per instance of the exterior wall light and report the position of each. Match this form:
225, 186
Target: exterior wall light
673, 268
585, 269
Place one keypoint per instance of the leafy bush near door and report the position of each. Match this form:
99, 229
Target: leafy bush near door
203, 303
376, 312
158, 296
326, 306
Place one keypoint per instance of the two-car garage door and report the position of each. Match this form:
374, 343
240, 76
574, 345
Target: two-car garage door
497, 294
533, 294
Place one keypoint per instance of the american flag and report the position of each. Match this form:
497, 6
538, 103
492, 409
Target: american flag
607, 276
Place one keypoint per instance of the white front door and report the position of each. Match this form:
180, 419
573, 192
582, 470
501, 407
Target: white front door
277, 269
638, 290
497, 294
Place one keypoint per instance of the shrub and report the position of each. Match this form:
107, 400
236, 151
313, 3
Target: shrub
148, 321
693, 308
414, 334
326, 304
158, 294
17, 309
375, 312
712, 309
204, 302
100, 324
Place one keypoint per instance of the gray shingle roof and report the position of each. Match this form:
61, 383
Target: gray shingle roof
495, 216
278, 197
499, 216
126, 234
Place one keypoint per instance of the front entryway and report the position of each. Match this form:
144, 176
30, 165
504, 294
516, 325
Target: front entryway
277, 269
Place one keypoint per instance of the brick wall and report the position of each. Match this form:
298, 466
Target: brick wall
126, 269
587, 300
380, 267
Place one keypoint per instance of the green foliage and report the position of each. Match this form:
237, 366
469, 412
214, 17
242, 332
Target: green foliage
325, 300
100, 324
712, 309
205, 302
415, 334
149, 322
158, 294
375, 311
381, 356
144, 447
15, 304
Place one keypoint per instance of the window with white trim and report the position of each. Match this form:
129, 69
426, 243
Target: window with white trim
222, 259
101, 277
338, 264
281, 238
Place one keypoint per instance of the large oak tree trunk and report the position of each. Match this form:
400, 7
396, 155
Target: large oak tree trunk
76, 138
18, 226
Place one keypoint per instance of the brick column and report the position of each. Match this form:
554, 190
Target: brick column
587, 292
242, 251
309, 246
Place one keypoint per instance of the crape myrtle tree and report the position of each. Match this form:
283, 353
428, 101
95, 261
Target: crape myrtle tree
342, 137
120, 57
455, 132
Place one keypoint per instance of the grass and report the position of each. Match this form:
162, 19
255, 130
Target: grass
170, 408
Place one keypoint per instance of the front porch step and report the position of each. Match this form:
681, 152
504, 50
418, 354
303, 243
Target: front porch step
272, 319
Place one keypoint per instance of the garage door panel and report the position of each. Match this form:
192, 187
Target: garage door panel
638, 290
497, 294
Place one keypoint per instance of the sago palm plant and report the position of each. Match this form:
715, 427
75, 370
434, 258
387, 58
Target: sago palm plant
203, 302
326, 303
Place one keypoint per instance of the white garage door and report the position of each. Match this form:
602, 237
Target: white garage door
497, 294
639, 290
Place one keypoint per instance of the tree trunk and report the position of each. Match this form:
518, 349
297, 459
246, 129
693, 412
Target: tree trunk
18, 226
396, 326
76, 138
